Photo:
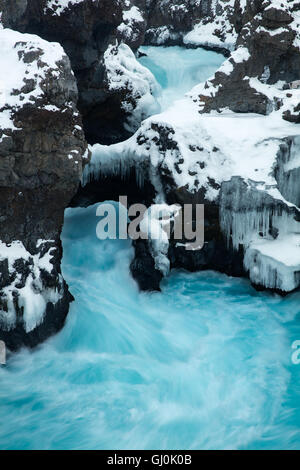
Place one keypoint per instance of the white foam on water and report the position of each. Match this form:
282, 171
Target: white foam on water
178, 70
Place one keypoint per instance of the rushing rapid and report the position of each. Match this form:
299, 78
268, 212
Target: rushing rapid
178, 70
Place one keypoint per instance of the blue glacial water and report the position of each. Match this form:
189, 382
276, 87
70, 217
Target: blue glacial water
178, 70
204, 364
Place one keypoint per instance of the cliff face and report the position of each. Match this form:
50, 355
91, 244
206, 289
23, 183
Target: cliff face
42, 146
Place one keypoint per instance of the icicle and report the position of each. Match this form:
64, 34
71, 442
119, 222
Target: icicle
287, 172
247, 213
240, 228
115, 162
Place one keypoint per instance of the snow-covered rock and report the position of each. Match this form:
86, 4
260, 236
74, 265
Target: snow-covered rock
134, 84
216, 30
195, 23
26, 297
57, 7
132, 29
261, 74
29, 66
169, 20
42, 150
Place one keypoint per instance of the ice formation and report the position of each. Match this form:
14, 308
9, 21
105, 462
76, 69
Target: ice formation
114, 160
124, 74
287, 172
156, 225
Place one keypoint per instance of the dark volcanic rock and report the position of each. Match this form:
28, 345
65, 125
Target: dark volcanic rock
143, 269
42, 146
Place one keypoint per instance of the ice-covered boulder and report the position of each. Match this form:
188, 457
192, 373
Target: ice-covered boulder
131, 85
275, 264
42, 150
